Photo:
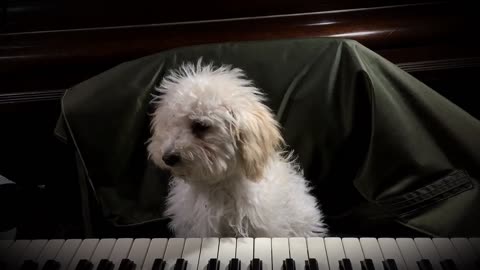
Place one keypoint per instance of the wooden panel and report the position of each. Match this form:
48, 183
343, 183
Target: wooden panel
59, 59
50, 14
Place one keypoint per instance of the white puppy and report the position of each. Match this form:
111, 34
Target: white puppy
223, 148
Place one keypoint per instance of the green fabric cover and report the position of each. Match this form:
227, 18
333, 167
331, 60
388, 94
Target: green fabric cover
377, 144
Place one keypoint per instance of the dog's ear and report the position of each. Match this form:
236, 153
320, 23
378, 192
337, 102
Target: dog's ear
259, 138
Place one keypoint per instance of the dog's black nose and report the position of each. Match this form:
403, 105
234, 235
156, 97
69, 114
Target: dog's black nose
171, 159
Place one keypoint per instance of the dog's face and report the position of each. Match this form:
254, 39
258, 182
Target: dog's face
210, 124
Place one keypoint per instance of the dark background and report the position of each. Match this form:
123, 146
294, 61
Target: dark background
48, 46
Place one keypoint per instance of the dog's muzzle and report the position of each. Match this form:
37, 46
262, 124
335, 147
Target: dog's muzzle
171, 159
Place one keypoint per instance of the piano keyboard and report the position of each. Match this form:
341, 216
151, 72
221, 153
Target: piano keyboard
242, 254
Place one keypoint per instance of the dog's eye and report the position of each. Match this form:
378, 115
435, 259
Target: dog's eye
199, 128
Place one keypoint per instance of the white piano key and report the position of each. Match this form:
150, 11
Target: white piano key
428, 251
476, 245
263, 251
33, 250
156, 250
446, 250
191, 252
465, 251
66, 253
390, 251
410, 253
298, 251
15, 252
50, 251
280, 252
335, 252
209, 251
244, 251
371, 250
138, 251
120, 251
84, 252
173, 252
102, 251
316, 250
226, 251
353, 251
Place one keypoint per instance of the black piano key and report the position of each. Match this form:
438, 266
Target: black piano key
234, 264
87, 265
213, 264
367, 264
181, 264
126, 264
51, 265
84, 265
424, 264
345, 264
256, 264
448, 264
29, 265
389, 264
109, 265
105, 264
289, 264
80, 265
158, 264
311, 264
3, 265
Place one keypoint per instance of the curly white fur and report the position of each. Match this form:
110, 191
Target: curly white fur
231, 178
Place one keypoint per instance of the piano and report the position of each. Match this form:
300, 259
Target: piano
315, 253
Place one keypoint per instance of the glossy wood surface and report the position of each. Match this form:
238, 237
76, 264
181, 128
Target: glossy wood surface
59, 59
34, 15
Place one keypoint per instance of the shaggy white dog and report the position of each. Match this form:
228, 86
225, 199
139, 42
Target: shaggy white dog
223, 148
